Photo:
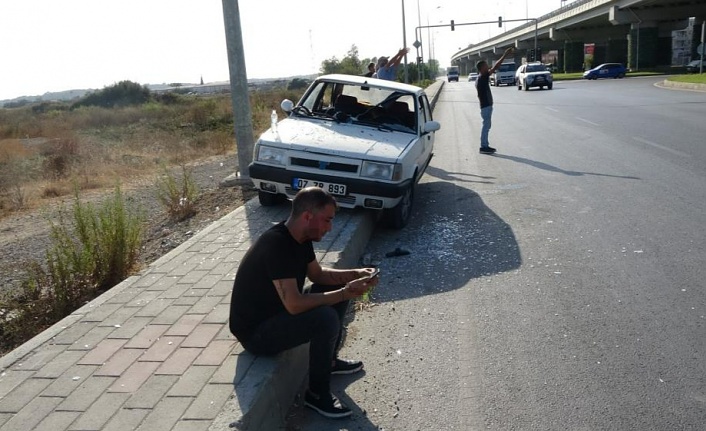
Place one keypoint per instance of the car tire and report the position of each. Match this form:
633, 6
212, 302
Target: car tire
621, 75
519, 86
549, 87
270, 199
525, 86
398, 216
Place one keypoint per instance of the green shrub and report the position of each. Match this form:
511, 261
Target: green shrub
124, 93
177, 195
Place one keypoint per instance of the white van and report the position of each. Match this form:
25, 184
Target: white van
504, 75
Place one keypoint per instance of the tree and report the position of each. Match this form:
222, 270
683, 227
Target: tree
350, 64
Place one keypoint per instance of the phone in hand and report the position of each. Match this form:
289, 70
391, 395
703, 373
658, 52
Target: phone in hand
374, 274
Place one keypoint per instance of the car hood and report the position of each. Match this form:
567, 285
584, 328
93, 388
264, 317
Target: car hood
338, 139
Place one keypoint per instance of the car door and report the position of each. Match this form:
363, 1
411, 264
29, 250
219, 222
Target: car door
426, 139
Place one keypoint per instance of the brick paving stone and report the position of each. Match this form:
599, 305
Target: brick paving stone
209, 402
197, 246
215, 353
171, 314
126, 420
146, 337
151, 392
235, 256
164, 283
222, 288
232, 366
57, 366
144, 298
182, 269
91, 339
23, 394
192, 381
166, 414
10, 379
57, 421
73, 332
221, 268
208, 281
39, 357
32, 414
131, 327
219, 314
179, 362
75, 376
212, 248
119, 317
147, 280
185, 324
83, 396
229, 276
125, 296
206, 262
155, 306
175, 291
225, 334
205, 305
99, 313
192, 277
100, 412
161, 349
201, 335
119, 362
194, 291
191, 425
187, 300
131, 380
4, 417
102, 352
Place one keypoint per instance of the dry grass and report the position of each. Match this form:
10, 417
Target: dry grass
47, 148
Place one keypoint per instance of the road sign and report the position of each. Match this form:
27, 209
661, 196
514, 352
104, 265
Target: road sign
417, 44
700, 49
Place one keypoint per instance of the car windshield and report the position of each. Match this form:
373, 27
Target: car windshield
372, 106
536, 68
507, 67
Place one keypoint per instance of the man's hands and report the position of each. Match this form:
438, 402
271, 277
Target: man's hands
361, 285
509, 51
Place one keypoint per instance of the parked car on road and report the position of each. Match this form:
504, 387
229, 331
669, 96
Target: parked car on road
533, 75
606, 70
366, 141
693, 67
472, 77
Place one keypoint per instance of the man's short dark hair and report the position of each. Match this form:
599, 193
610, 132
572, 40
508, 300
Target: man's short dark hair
312, 199
480, 64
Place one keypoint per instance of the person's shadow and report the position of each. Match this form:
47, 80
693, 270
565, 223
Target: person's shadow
457, 176
552, 168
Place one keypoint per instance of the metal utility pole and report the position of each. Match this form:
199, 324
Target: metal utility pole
404, 44
703, 48
242, 115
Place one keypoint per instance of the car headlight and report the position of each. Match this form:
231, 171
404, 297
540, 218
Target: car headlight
274, 156
382, 171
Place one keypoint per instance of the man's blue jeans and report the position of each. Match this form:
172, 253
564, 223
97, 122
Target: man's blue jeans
486, 114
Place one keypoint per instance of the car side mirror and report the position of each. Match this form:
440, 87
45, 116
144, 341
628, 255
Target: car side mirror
287, 105
431, 126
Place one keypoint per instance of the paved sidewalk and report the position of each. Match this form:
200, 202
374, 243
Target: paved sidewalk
155, 353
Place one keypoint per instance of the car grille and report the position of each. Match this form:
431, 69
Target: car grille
324, 166
346, 200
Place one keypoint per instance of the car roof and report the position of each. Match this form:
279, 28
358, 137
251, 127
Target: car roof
373, 82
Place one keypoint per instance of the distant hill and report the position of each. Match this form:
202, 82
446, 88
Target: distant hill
78, 93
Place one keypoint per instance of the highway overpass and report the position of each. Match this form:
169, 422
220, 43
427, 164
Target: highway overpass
637, 33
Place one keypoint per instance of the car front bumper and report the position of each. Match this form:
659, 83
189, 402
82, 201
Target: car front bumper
359, 192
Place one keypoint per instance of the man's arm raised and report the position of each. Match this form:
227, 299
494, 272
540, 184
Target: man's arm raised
500, 61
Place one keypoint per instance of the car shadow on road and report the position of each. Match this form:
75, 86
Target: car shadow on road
453, 238
456, 176
552, 168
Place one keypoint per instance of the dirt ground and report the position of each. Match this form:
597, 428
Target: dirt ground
25, 235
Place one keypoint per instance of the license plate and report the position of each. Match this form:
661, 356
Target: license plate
334, 189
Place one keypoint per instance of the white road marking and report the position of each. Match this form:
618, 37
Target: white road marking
587, 121
552, 109
661, 147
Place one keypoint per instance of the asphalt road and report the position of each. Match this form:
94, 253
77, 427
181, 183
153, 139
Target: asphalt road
557, 285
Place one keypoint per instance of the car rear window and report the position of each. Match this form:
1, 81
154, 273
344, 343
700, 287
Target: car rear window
536, 68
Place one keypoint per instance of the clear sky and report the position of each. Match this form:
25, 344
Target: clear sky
55, 45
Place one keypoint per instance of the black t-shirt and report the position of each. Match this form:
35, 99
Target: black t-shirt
483, 86
275, 255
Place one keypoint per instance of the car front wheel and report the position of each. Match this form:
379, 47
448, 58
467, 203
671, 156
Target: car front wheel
269, 199
398, 216
525, 86
549, 87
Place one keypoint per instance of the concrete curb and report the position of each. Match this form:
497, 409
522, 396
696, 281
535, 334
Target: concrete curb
685, 86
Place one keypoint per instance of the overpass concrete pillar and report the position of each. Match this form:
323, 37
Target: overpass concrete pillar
617, 51
573, 56
643, 46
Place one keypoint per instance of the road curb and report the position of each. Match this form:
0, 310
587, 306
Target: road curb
685, 86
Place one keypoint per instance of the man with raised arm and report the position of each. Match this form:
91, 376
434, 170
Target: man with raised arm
485, 97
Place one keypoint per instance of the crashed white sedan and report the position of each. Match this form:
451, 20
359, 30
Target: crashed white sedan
366, 141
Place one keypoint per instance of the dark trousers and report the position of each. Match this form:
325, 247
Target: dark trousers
321, 327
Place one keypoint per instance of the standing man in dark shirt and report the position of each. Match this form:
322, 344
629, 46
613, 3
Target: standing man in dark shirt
486, 99
270, 313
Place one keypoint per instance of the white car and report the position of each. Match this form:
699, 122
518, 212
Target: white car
533, 75
472, 77
366, 141
505, 74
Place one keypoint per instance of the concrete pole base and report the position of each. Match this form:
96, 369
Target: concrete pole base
234, 180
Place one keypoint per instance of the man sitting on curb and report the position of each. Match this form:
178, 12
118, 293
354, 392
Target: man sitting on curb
270, 313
